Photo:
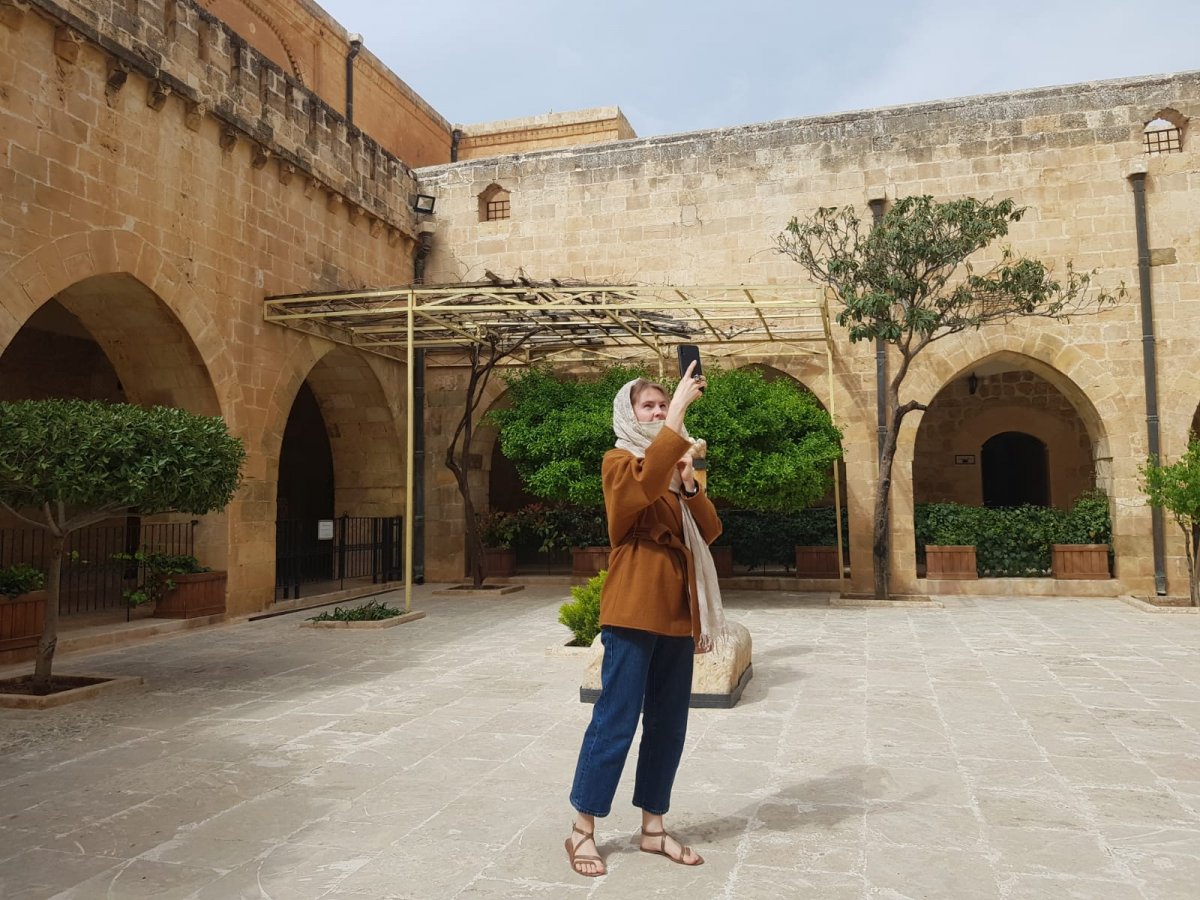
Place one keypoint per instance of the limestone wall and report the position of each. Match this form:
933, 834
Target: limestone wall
570, 129
159, 178
704, 208
305, 41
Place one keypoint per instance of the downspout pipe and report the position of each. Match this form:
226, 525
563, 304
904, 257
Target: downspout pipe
356, 42
876, 205
1149, 369
455, 140
420, 254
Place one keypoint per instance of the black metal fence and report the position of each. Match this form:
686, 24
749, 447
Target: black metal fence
91, 578
328, 552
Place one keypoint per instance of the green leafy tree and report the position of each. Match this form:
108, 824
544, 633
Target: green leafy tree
1176, 488
770, 444
911, 280
68, 464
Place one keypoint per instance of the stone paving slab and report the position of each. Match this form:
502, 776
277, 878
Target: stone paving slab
993, 748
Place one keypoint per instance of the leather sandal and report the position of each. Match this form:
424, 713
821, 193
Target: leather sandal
576, 858
662, 849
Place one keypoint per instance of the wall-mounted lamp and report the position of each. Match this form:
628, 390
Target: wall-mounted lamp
972, 383
423, 203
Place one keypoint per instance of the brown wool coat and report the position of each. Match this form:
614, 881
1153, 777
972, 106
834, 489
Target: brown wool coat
651, 581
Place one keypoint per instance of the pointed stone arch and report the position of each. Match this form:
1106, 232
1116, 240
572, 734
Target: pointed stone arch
84, 271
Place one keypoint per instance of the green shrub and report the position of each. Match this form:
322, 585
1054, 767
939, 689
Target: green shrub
20, 579
769, 540
157, 570
1013, 541
371, 611
582, 615
1088, 522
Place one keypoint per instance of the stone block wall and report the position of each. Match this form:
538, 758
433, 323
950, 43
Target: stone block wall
159, 178
704, 208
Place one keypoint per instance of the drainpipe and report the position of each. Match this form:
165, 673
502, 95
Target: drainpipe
421, 253
876, 205
1149, 366
455, 139
418, 439
356, 42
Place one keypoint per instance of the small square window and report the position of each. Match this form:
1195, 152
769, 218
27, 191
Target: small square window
498, 209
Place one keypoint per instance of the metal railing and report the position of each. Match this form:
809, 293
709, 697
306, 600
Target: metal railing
91, 578
324, 554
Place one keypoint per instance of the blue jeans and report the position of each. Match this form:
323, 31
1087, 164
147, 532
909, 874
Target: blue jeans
647, 674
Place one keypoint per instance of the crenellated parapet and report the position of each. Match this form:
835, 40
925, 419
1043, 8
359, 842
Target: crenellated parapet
182, 51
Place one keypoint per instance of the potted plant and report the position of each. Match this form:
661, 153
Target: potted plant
177, 585
947, 533
816, 543
22, 607
499, 531
1084, 548
581, 530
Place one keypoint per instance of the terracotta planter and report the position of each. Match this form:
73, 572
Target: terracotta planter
816, 562
1077, 561
202, 594
499, 563
588, 561
955, 563
21, 620
723, 560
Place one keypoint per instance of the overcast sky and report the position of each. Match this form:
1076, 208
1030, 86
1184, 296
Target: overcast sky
681, 65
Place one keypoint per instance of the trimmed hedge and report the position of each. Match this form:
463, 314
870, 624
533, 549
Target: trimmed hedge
1013, 541
769, 540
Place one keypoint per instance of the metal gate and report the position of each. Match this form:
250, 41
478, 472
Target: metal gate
323, 554
91, 578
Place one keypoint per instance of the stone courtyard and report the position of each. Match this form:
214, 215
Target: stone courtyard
994, 748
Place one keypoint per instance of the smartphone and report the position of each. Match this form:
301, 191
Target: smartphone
687, 354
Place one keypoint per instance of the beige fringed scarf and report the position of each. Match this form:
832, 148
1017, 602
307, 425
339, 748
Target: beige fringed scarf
635, 437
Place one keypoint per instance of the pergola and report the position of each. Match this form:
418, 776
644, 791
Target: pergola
530, 322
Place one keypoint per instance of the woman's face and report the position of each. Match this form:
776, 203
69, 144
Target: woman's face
650, 406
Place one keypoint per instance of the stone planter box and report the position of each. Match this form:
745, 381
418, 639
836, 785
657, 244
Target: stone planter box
201, 594
588, 561
723, 561
21, 620
1077, 561
951, 562
816, 562
499, 563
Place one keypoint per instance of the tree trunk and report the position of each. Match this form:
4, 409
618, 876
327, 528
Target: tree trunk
881, 539
49, 640
1193, 561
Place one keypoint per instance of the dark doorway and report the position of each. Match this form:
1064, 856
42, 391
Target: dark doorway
1016, 470
305, 462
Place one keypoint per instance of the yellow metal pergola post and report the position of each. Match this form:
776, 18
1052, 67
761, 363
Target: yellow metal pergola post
410, 429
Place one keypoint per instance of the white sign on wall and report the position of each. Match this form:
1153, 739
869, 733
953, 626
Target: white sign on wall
325, 529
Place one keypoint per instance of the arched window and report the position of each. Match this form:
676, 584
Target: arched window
1164, 133
1016, 470
494, 204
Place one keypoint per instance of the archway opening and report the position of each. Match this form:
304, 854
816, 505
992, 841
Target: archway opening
110, 338
1015, 470
339, 488
306, 481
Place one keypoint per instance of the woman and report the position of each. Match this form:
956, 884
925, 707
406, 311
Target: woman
660, 605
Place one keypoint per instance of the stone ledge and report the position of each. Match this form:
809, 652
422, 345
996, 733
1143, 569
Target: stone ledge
485, 592
696, 701
851, 602
372, 623
566, 650
1137, 603
87, 692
